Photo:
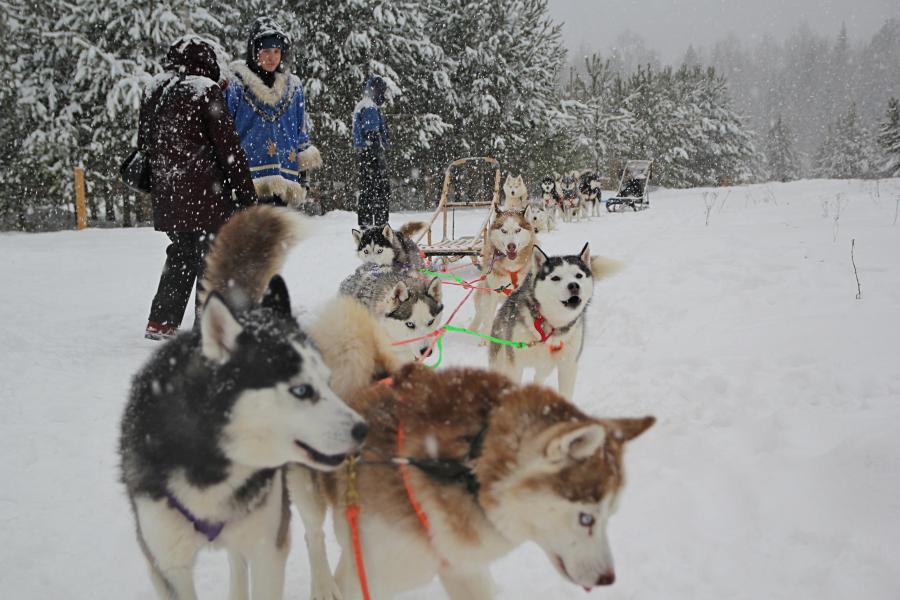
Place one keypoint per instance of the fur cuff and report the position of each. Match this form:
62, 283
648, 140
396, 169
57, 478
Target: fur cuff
310, 159
291, 192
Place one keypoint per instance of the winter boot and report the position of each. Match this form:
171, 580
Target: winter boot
159, 331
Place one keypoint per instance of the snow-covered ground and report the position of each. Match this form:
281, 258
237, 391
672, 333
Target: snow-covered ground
769, 474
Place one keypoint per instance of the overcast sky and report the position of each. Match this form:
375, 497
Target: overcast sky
669, 26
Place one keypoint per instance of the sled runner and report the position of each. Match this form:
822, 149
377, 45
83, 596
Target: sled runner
451, 247
634, 186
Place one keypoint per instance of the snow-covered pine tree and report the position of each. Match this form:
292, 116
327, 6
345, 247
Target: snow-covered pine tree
781, 162
889, 139
848, 150
504, 101
81, 92
12, 126
603, 130
723, 148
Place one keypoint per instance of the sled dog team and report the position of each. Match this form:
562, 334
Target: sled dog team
428, 472
572, 196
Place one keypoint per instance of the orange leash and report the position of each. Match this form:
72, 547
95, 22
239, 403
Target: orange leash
351, 497
404, 474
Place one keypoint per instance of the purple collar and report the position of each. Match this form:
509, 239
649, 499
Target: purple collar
210, 529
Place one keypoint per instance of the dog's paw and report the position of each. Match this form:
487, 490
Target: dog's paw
330, 592
325, 588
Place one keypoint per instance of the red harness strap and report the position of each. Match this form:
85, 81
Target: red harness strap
545, 335
514, 280
353, 510
404, 474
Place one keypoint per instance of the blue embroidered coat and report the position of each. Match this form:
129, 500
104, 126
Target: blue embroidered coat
272, 126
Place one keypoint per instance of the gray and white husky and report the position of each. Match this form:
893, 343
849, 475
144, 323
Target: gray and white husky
215, 414
548, 311
407, 305
386, 246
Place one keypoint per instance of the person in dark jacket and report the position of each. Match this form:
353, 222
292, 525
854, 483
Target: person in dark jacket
371, 139
198, 171
269, 111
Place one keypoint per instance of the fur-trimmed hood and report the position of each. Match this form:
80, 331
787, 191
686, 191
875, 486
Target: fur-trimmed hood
265, 94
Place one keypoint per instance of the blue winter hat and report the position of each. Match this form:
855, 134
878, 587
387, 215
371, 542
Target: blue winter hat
271, 41
377, 87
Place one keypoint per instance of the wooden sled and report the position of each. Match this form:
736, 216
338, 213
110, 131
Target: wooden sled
451, 247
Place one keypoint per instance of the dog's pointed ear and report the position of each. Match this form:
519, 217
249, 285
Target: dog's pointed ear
219, 330
576, 444
624, 430
434, 289
276, 296
498, 210
539, 258
388, 233
400, 293
527, 213
357, 236
585, 254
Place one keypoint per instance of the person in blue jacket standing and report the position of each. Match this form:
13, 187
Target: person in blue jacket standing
371, 140
269, 112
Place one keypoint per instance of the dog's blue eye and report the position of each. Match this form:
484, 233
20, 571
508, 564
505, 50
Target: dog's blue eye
380, 250
579, 276
430, 323
365, 251
555, 278
303, 391
585, 520
410, 324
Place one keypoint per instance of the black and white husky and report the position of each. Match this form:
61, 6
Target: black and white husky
215, 414
548, 311
386, 246
589, 189
406, 304
550, 197
570, 201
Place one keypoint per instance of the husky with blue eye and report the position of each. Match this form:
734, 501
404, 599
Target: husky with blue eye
215, 414
406, 304
385, 246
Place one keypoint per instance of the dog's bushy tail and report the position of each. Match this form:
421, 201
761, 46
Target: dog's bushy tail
248, 251
353, 344
604, 267
413, 228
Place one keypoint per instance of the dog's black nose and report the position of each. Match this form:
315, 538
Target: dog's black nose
359, 431
574, 287
607, 578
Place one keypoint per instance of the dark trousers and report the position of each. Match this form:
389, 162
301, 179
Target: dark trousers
185, 261
373, 205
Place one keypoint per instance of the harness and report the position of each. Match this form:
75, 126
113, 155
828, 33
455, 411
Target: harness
447, 471
513, 275
211, 529
538, 321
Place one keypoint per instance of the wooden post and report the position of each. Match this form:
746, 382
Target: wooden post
80, 216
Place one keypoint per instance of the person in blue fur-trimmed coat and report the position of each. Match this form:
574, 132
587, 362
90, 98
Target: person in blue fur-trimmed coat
371, 140
269, 112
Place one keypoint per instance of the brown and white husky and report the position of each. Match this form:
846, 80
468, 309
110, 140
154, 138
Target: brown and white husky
489, 465
506, 260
